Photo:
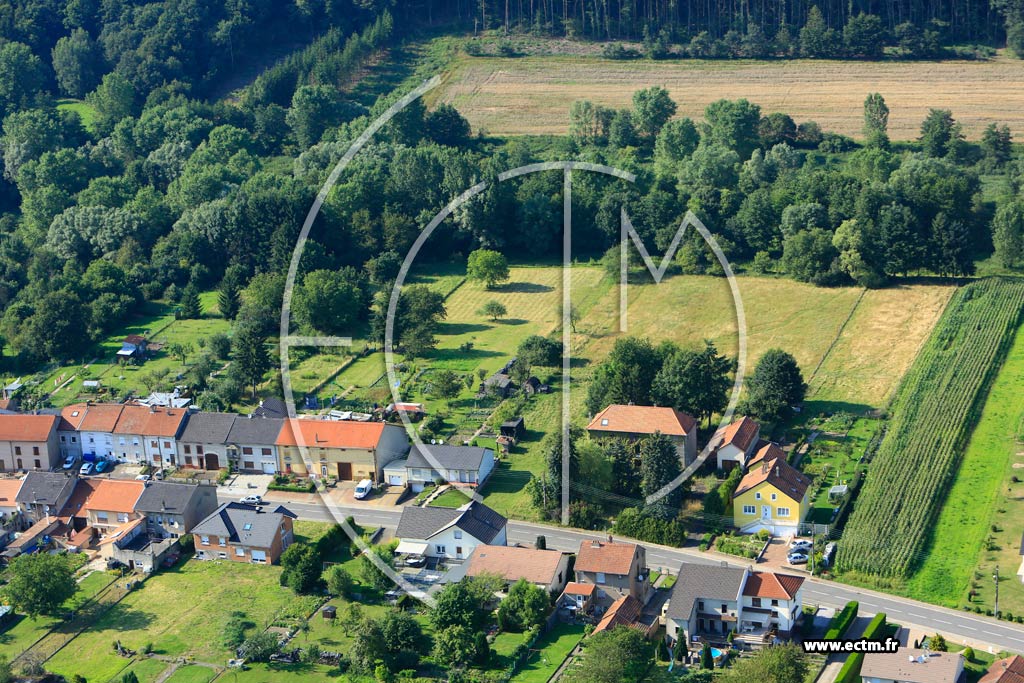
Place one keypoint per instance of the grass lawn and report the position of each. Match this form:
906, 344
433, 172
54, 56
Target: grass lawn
84, 111
182, 612
193, 673
977, 666
282, 673
148, 670
452, 498
983, 495
554, 646
23, 631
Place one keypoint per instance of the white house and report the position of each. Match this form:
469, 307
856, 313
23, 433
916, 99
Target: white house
253, 441
911, 665
469, 465
712, 600
96, 428
736, 443
449, 533
149, 434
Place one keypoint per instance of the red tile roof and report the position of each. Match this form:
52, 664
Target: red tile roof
740, 433
331, 434
623, 612
8, 490
112, 495
512, 563
779, 474
767, 453
72, 416
149, 421
1009, 670
605, 557
101, 417
26, 427
773, 586
573, 588
642, 420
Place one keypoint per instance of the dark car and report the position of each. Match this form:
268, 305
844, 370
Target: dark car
415, 560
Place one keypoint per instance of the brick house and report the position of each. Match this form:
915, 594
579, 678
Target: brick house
244, 533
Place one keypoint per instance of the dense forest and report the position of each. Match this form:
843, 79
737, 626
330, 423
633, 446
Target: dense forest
154, 189
913, 24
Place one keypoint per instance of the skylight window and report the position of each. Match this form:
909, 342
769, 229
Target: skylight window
248, 526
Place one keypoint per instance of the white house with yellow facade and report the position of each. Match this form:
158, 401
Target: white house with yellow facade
772, 495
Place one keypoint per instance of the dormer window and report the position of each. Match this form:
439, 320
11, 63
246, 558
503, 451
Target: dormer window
604, 422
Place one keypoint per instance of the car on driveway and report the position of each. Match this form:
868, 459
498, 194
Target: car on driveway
87, 468
801, 544
252, 500
102, 466
69, 462
797, 558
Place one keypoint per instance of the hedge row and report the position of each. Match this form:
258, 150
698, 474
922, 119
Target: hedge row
841, 622
850, 673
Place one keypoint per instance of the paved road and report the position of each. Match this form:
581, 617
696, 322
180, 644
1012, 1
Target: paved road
954, 625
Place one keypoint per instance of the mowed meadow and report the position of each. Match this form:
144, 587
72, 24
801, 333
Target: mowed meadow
531, 95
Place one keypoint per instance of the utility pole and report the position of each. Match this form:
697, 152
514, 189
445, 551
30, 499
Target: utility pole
995, 577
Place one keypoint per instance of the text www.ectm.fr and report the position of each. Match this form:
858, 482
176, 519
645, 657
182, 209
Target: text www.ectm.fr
888, 645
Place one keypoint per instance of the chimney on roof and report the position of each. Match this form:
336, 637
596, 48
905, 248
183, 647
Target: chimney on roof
610, 539
595, 544
152, 408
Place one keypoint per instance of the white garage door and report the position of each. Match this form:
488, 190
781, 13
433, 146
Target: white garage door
259, 556
269, 467
395, 479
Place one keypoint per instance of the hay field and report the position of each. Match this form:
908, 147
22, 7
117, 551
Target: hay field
531, 95
867, 342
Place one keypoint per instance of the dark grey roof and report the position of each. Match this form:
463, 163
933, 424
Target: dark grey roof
231, 520
46, 488
448, 457
500, 380
207, 428
262, 430
166, 496
271, 407
476, 519
703, 582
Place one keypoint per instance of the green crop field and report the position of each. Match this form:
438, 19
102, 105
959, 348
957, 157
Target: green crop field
982, 520
937, 406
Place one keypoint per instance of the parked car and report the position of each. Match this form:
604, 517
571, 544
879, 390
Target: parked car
102, 466
797, 558
159, 474
801, 544
142, 477
415, 560
69, 462
252, 500
363, 489
87, 468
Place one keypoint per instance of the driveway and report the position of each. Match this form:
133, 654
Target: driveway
344, 494
775, 557
247, 485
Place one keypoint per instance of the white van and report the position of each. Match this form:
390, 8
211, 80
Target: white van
363, 489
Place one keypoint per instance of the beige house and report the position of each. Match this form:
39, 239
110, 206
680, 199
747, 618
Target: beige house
29, 442
348, 451
615, 568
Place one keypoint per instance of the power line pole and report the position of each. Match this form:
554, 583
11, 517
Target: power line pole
995, 577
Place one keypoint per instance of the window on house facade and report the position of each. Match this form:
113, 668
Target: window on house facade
188, 449
756, 602
35, 450
757, 495
167, 444
17, 450
39, 465
725, 608
222, 542
188, 458
122, 517
775, 603
199, 450
152, 444
246, 450
204, 540
600, 577
267, 451
440, 550
783, 512
774, 497
700, 606
749, 509
101, 517
458, 534
63, 439
240, 552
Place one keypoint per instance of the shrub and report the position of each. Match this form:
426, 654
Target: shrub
842, 621
969, 654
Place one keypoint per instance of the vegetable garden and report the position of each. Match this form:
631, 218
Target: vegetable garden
933, 414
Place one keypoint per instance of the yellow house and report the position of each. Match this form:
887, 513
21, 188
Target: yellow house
348, 451
773, 495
